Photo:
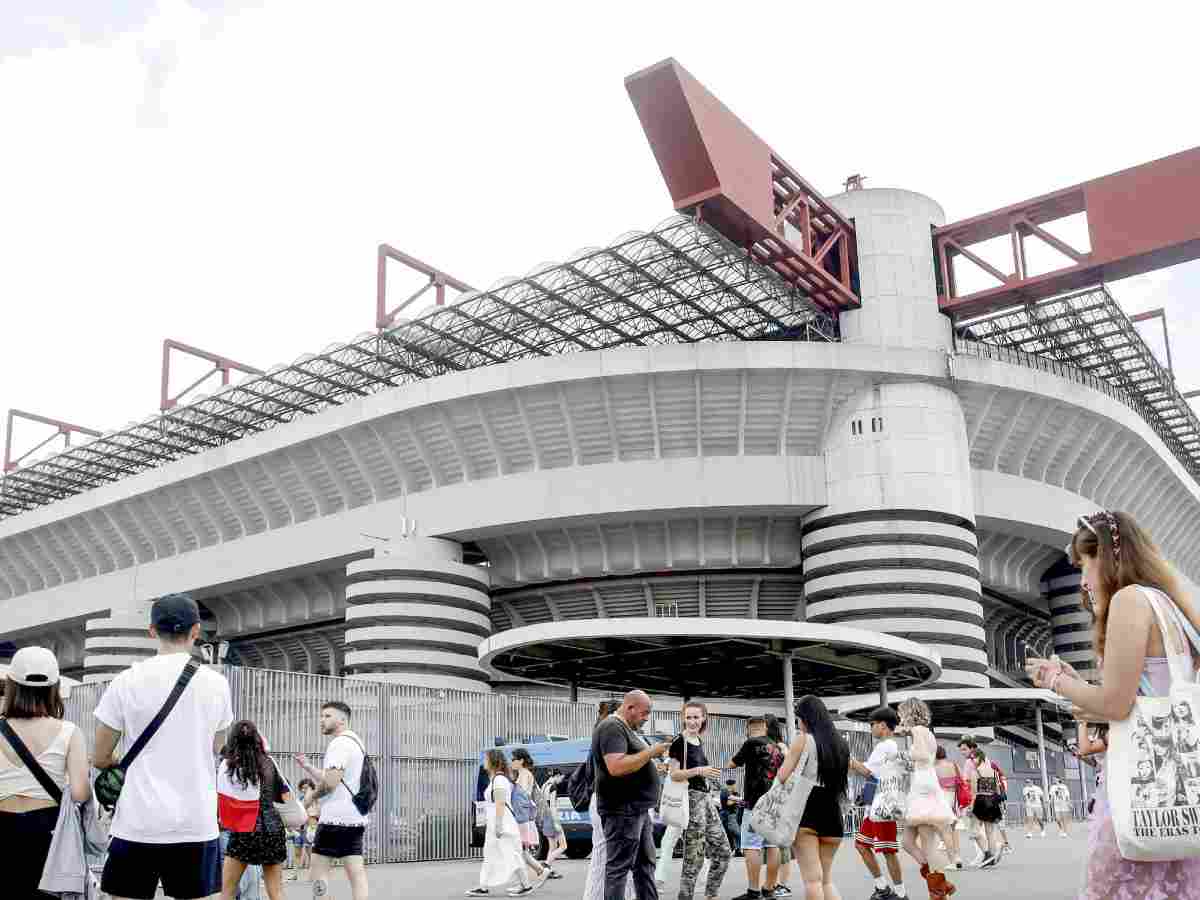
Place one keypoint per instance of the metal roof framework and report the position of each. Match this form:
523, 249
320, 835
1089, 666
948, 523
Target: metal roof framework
1089, 331
680, 283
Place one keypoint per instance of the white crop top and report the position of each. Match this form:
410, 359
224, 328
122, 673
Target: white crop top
18, 781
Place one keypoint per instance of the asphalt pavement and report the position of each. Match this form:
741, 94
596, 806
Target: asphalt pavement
1040, 869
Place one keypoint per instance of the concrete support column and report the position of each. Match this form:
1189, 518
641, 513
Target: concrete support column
416, 613
1070, 622
895, 549
114, 644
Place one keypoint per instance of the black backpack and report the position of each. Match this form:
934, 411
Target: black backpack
368, 782
581, 784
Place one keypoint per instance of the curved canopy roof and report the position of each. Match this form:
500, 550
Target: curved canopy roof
970, 707
709, 657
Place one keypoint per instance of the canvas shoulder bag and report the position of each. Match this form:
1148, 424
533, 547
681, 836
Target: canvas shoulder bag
674, 806
110, 781
1153, 765
777, 814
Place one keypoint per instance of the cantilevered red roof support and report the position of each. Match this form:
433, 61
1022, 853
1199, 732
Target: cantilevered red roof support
717, 168
1139, 220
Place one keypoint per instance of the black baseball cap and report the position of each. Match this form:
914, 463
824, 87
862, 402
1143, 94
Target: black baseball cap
174, 614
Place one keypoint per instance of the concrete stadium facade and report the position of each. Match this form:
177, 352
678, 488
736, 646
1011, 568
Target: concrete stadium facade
895, 480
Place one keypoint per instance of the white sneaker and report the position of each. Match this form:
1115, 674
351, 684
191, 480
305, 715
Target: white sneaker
1043, 832
1029, 835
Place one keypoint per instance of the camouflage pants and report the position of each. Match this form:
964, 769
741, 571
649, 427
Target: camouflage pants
705, 836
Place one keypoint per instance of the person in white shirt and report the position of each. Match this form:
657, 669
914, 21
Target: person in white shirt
878, 832
165, 824
341, 826
1035, 810
1060, 803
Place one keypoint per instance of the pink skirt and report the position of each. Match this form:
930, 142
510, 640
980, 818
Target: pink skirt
529, 835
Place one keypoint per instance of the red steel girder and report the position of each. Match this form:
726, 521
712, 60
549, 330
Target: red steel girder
220, 364
1139, 220
65, 429
438, 280
717, 168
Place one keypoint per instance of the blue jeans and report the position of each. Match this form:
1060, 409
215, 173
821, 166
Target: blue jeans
251, 878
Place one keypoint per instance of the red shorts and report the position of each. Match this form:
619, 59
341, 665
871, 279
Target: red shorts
879, 837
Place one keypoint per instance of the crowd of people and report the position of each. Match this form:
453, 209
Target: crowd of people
193, 802
197, 799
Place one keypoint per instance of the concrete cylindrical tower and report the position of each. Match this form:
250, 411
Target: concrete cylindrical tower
114, 644
895, 550
416, 613
1070, 623
895, 265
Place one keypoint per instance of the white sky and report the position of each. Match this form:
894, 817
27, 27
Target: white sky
221, 173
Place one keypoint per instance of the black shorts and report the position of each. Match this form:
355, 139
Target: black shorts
338, 841
823, 814
188, 871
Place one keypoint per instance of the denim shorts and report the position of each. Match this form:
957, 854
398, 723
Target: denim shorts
751, 839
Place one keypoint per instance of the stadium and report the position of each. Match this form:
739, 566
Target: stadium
774, 410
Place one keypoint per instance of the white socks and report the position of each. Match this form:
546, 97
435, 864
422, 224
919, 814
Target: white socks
881, 883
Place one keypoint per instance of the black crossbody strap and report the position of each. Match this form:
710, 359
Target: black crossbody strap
31, 764
144, 738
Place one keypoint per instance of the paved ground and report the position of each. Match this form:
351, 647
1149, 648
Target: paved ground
1040, 869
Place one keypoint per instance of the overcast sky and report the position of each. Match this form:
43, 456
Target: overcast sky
221, 172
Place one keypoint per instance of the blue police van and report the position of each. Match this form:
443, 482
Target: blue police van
549, 756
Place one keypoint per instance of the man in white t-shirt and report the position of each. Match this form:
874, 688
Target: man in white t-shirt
341, 826
878, 832
1035, 810
165, 824
1060, 806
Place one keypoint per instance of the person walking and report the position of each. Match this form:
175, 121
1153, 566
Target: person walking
552, 826
503, 853
704, 837
164, 828
340, 825
928, 817
522, 773
988, 808
30, 797
1035, 810
762, 759
949, 777
878, 832
593, 886
304, 837
248, 787
822, 826
1060, 805
1122, 571
967, 823
776, 733
627, 788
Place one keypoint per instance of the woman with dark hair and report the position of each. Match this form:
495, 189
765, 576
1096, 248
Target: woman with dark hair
1124, 576
987, 808
522, 775
503, 858
948, 776
248, 787
304, 837
821, 826
33, 712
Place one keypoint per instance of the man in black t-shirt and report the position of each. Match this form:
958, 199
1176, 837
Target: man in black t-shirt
762, 758
627, 788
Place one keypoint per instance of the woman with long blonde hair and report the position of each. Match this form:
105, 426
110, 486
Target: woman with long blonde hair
929, 817
1122, 569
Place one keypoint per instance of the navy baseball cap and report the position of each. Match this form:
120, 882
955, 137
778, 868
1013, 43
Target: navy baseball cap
174, 614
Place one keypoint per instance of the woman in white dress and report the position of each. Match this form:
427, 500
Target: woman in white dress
502, 852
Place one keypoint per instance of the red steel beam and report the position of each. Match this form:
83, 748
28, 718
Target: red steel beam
439, 280
65, 429
220, 364
1139, 220
716, 168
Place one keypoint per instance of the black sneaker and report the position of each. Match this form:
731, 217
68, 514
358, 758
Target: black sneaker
553, 873
783, 891
884, 893
989, 861
520, 891
750, 895
478, 892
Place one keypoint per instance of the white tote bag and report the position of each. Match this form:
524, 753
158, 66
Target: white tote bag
1153, 765
674, 806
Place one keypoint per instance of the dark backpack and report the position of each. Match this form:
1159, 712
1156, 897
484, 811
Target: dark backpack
580, 786
368, 782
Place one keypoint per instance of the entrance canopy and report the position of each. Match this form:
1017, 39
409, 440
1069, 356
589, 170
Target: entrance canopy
709, 657
970, 707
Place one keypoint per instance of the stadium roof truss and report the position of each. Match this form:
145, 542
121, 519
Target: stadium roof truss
1090, 332
680, 283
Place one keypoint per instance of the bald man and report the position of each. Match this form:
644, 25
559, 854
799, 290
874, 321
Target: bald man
627, 788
